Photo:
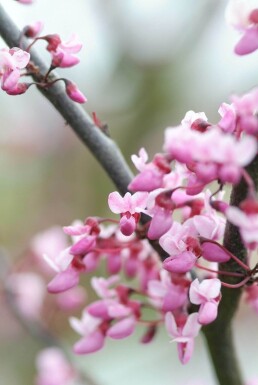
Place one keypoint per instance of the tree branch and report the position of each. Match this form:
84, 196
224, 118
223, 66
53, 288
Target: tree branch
103, 148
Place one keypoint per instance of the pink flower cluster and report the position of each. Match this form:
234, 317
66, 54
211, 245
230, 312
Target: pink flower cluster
173, 209
63, 55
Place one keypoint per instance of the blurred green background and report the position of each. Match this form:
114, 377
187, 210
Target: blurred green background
144, 64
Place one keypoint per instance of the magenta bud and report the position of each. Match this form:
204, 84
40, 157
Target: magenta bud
74, 93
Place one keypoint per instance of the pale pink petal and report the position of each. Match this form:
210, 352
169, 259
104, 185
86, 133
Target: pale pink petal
210, 288
21, 58
138, 201
117, 310
72, 45
185, 351
208, 312
140, 161
122, 329
192, 326
194, 295
171, 325
10, 80
116, 203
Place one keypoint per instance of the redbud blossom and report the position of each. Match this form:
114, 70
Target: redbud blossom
183, 334
33, 29
63, 52
28, 290
11, 62
74, 93
129, 207
242, 15
53, 368
206, 294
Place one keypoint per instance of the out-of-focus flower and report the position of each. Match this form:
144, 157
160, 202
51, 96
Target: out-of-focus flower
29, 291
53, 368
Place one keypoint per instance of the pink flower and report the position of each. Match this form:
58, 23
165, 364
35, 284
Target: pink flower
209, 161
151, 174
53, 368
182, 248
245, 107
33, 29
92, 338
228, 118
29, 292
129, 207
206, 294
63, 54
102, 286
242, 15
166, 295
11, 62
50, 242
183, 334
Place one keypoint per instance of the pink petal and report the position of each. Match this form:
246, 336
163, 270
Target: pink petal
214, 252
63, 281
185, 351
160, 224
10, 80
83, 246
90, 344
210, 288
208, 312
127, 225
116, 203
21, 58
99, 309
147, 180
192, 326
171, 325
122, 329
138, 201
182, 263
248, 43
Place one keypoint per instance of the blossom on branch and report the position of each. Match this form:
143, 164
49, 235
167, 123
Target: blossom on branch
183, 331
12, 61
